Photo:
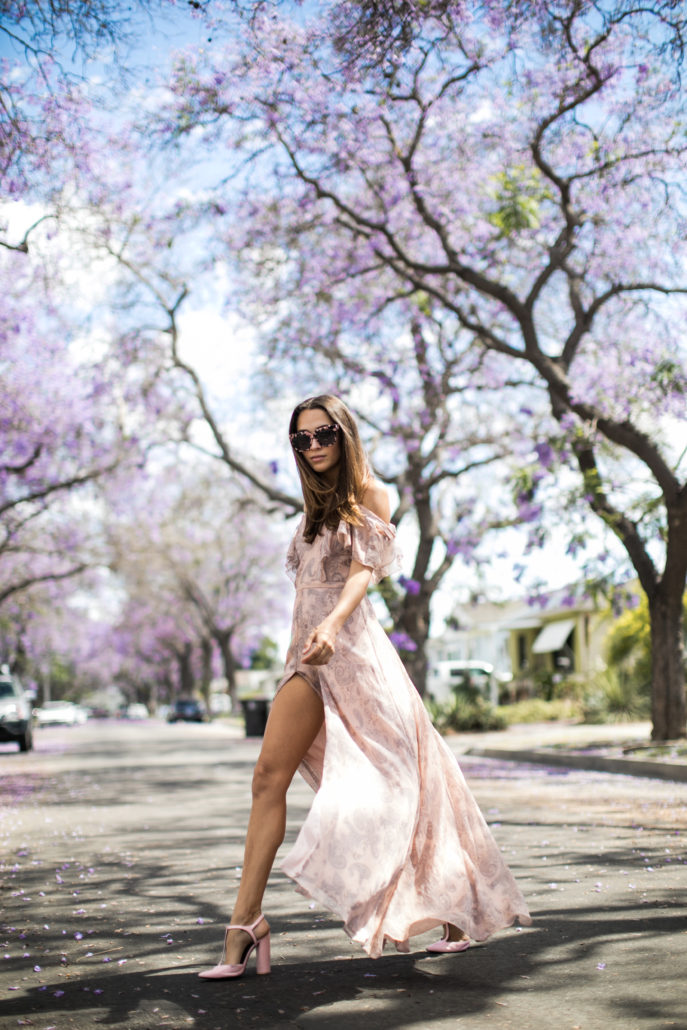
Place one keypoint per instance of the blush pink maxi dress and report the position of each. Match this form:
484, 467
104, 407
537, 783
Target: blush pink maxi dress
394, 842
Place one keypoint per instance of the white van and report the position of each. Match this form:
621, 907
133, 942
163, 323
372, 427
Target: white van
450, 676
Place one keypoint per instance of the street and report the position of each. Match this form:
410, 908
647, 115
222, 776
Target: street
122, 844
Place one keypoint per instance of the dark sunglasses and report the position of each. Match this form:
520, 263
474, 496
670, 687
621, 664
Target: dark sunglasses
324, 436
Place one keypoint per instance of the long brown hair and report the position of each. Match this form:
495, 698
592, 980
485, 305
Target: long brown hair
326, 504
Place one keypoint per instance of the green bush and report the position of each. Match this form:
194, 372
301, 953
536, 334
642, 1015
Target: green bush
572, 689
464, 714
536, 709
613, 697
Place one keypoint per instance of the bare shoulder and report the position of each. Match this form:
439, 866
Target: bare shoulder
376, 499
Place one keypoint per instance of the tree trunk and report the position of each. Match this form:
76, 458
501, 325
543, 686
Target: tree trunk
206, 670
223, 638
414, 622
186, 679
20, 664
667, 665
46, 682
664, 591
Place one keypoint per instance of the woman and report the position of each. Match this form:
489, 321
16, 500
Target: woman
394, 842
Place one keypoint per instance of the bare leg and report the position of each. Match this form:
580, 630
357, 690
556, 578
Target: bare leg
455, 933
295, 720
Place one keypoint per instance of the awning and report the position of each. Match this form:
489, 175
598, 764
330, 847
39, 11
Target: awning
553, 636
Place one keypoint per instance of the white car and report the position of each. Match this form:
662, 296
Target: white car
451, 677
136, 710
60, 713
15, 713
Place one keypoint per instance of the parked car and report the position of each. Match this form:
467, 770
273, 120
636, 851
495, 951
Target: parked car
16, 716
186, 709
60, 713
451, 677
136, 710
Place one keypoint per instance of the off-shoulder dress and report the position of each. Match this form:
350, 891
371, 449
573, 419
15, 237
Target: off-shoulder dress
394, 842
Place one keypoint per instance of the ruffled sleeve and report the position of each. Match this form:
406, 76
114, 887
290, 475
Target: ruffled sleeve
293, 557
373, 544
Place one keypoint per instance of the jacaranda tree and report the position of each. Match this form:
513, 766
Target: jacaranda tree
522, 167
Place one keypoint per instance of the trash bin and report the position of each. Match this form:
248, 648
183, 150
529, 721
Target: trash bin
255, 715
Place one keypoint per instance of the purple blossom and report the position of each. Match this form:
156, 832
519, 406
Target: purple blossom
411, 586
545, 454
402, 641
527, 511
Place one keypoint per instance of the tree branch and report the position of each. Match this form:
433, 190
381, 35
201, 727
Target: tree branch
32, 580
67, 484
624, 528
293, 503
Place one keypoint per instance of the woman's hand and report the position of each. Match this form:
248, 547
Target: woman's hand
319, 647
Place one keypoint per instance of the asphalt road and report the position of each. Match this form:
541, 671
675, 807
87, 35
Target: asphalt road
121, 848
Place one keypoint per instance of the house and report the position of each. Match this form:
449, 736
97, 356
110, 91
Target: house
530, 645
561, 637
476, 632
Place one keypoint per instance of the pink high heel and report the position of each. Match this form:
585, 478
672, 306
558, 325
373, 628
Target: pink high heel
445, 946
227, 971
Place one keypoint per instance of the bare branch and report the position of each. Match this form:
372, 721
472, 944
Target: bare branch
30, 581
23, 246
52, 488
294, 504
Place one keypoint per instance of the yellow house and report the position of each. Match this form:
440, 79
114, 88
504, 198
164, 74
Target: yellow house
561, 637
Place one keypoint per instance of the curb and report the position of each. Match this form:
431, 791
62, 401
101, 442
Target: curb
592, 763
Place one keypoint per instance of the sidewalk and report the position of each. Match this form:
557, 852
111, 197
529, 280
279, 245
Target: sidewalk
624, 748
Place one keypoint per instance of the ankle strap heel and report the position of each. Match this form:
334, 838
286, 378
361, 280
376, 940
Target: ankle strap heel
261, 946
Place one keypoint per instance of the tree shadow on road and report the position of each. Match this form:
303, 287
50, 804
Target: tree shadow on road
144, 867
395, 991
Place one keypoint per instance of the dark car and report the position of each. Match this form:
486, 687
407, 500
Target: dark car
186, 709
16, 713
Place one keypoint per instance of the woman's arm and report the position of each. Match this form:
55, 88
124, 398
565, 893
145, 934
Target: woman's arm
319, 647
